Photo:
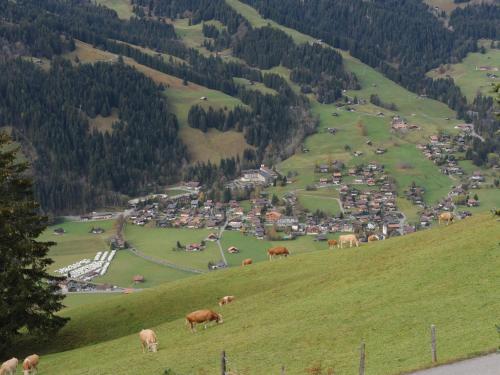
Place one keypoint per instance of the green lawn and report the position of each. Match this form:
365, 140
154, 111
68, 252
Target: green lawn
308, 309
324, 199
74, 300
489, 198
122, 7
258, 86
158, 242
77, 243
256, 20
465, 75
126, 265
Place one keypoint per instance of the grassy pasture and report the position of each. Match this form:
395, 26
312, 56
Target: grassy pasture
256, 86
387, 293
465, 75
256, 20
158, 242
104, 124
324, 199
126, 265
123, 8
449, 5
77, 243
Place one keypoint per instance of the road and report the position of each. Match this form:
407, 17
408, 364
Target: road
221, 231
163, 262
487, 365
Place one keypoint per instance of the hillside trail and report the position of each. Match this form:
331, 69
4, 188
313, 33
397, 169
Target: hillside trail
486, 365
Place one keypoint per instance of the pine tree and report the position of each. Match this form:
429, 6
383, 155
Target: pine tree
28, 299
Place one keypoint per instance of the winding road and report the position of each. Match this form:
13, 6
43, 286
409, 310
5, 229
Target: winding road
487, 365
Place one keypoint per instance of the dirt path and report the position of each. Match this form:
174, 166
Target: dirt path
487, 365
163, 262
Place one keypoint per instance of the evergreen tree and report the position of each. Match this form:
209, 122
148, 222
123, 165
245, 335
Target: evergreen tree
28, 299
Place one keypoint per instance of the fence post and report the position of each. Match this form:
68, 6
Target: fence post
433, 343
362, 358
223, 363
283, 370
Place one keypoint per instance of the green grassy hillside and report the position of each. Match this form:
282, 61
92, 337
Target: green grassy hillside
304, 310
466, 75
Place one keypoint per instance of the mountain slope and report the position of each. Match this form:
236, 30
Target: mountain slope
305, 310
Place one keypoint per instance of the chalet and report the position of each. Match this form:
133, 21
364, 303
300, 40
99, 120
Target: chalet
380, 151
138, 279
212, 237
323, 181
264, 176
204, 98
59, 231
477, 177
194, 247
332, 130
272, 216
233, 250
97, 230
287, 221
472, 203
323, 168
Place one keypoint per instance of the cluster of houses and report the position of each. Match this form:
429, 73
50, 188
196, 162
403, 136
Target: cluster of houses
415, 194
399, 124
441, 150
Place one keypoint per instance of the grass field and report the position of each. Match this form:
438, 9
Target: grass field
256, 20
465, 75
308, 309
126, 265
74, 300
323, 199
449, 5
258, 86
158, 242
104, 124
122, 7
77, 243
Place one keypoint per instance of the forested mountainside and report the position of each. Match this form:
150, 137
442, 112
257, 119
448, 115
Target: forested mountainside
143, 149
74, 164
401, 38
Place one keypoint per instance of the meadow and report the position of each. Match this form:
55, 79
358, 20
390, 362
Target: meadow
303, 311
160, 242
77, 242
123, 8
470, 80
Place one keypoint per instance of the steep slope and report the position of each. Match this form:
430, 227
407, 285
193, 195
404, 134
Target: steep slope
305, 310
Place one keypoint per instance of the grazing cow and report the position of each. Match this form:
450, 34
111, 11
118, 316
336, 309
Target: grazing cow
246, 262
332, 243
351, 238
446, 216
225, 300
30, 364
278, 251
149, 341
202, 316
372, 238
9, 367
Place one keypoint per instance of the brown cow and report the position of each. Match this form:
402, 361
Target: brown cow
225, 300
246, 262
446, 216
9, 367
351, 238
30, 364
149, 340
278, 251
202, 316
332, 243
372, 238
